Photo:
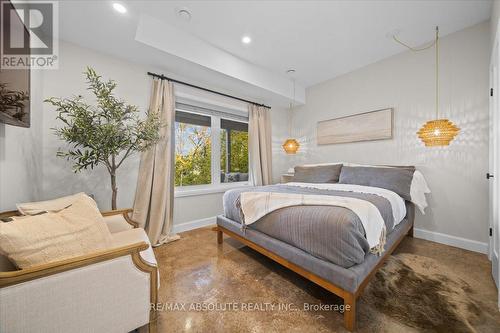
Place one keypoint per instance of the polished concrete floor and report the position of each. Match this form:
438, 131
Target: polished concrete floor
231, 288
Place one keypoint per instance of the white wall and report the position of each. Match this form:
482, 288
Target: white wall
29, 169
456, 174
281, 161
495, 14
134, 87
20, 148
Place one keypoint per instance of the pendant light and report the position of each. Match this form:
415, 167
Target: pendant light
291, 146
437, 132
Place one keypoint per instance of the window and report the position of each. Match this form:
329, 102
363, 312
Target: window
192, 149
211, 147
233, 151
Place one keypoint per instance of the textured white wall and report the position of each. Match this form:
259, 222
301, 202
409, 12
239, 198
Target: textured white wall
20, 155
29, 169
495, 14
456, 174
281, 161
134, 87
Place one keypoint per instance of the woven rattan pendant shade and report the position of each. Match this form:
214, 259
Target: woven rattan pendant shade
438, 132
291, 146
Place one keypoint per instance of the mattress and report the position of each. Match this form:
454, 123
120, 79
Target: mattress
330, 233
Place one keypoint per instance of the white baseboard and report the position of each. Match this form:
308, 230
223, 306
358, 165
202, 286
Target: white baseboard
193, 224
437, 237
455, 241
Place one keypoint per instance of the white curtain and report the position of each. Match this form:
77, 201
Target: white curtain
259, 145
154, 196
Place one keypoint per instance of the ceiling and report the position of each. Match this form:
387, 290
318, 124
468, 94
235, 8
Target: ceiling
319, 39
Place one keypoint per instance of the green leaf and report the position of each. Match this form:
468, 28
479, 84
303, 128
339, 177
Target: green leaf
108, 127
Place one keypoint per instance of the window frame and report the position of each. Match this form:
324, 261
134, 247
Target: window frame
215, 167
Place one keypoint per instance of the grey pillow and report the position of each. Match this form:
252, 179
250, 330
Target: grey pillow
395, 179
317, 174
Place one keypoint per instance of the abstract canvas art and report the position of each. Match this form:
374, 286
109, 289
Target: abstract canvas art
373, 125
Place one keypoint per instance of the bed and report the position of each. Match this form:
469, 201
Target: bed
333, 227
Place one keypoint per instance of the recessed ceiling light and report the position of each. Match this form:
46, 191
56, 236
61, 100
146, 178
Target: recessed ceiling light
290, 71
119, 7
184, 14
246, 39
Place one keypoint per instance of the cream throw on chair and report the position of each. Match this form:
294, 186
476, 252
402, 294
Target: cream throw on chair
259, 145
154, 196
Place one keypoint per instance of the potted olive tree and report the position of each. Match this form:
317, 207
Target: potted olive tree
105, 133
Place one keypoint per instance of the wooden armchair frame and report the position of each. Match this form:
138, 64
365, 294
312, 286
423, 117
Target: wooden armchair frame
133, 250
125, 213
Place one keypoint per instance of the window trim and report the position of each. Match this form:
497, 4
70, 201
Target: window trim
195, 190
215, 186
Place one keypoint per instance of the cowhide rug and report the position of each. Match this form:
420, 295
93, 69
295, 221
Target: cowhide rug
416, 292
410, 293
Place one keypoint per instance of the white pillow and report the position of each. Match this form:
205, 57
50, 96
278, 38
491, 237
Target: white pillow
36, 240
418, 190
52, 206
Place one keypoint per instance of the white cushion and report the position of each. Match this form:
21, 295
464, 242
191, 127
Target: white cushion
116, 223
55, 205
74, 231
132, 236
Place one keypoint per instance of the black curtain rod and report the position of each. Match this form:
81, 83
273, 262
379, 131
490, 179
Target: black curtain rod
163, 77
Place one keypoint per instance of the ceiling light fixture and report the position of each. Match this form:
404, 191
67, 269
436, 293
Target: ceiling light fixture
246, 39
439, 131
119, 7
291, 145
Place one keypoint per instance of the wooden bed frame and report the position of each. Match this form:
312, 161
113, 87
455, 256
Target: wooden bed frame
349, 297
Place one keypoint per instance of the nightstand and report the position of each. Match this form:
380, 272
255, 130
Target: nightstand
286, 177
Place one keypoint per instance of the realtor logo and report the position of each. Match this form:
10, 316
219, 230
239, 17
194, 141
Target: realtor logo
29, 34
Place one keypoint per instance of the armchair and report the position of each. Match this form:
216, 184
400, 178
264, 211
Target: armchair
106, 291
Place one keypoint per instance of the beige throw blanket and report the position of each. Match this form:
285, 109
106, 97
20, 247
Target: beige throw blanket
255, 205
